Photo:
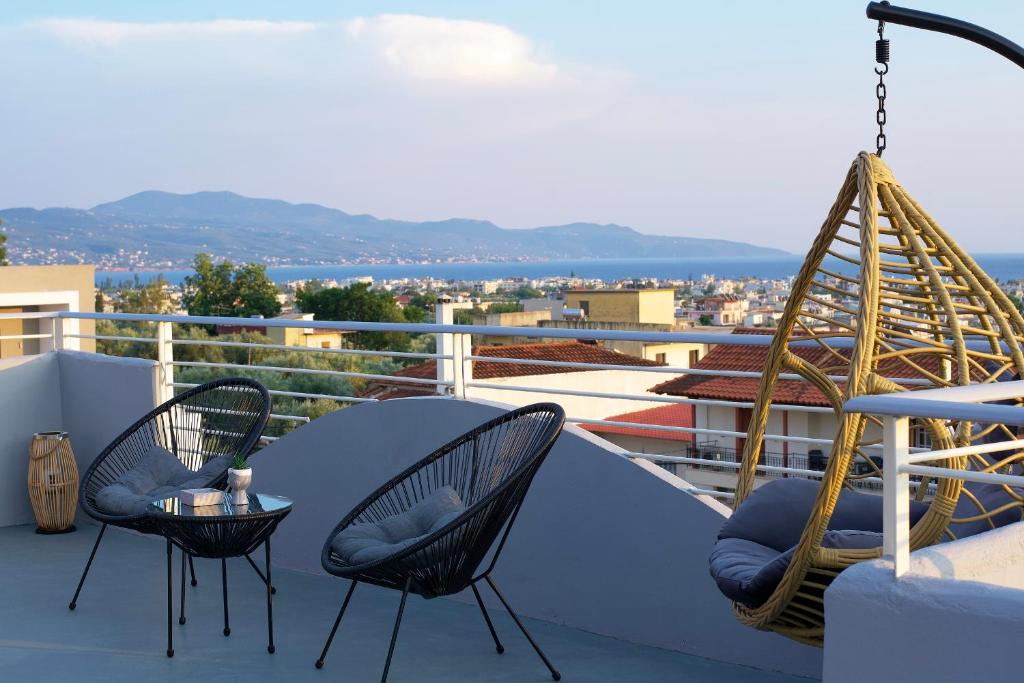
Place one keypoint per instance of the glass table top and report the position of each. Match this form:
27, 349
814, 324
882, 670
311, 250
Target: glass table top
258, 503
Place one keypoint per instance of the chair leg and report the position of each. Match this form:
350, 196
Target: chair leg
88, 564
497, 643
181, 610
192, 570
224, 586
554, 674
264, 579
270, 600
170, 602
334, 629
394, 634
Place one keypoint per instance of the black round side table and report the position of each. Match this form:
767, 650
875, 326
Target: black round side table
219, 532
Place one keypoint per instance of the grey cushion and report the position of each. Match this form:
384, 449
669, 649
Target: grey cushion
991, 496
775, 514
757, 542
157, 467
157, 474
748, 572
207, 474
372, 541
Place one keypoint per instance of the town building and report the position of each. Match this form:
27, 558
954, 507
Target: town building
654, 306
522, 384
40, 289
309, 337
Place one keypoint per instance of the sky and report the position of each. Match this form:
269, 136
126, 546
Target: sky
724, 119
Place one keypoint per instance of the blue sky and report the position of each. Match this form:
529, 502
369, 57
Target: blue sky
726, 119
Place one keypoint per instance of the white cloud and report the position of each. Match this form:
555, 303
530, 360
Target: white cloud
92, 32
435, 49
419, 48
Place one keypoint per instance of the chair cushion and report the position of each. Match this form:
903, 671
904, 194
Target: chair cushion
991, 497
748, 572
207, 474
157, 474
775, 514
373, 541
756, 544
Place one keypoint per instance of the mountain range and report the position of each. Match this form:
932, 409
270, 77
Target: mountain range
165, 230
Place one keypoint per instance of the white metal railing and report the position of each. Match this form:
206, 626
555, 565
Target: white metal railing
966, 403
454, 358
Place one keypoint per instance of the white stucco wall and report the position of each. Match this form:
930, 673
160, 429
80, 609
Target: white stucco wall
91, 396
608, 381
956, 616
29, 403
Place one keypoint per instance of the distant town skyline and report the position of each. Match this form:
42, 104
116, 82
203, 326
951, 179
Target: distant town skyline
734, 120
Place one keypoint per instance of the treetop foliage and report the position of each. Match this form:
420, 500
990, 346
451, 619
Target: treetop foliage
224, 289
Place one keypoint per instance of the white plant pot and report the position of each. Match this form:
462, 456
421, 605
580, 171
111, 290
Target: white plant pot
238, 482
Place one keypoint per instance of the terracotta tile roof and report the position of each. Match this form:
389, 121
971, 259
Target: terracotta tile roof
793, 392
565, 352
674, 415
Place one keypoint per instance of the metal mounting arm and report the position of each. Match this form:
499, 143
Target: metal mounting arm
955, 27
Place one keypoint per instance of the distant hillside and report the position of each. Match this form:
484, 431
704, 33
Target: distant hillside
164, 230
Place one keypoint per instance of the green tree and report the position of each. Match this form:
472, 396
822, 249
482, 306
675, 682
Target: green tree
358, 302
1015, 300
3, 247
224, 289
525, 292
705, 320
504, 307
152, 297
255, 293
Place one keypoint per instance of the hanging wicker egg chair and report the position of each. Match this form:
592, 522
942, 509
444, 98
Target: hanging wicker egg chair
925, 314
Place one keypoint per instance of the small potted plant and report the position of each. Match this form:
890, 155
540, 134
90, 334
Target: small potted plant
239, 479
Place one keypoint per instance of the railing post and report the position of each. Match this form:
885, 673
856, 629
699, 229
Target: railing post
896, 493
444, 315
57, 333
463, 367
165, 361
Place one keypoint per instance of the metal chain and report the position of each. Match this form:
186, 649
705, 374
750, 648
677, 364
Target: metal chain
882, 58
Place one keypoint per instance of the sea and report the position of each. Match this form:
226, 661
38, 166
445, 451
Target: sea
1001, 267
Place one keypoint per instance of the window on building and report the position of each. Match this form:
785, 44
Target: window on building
325, 345
694, 357
661, 358
585, 307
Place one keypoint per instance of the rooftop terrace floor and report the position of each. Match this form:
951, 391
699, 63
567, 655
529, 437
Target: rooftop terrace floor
118, 631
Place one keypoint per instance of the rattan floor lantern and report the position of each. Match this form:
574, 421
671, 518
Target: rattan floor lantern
53, 482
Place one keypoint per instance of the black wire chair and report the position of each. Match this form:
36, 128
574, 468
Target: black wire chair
491, 469
221, 418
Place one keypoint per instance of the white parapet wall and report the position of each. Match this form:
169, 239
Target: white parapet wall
603, 543
956, 615
91, 396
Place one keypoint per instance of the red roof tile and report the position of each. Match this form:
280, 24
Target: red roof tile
563, 352
674, 415
793, 392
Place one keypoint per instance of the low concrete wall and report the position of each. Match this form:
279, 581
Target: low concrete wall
101, 396
955, 616
602, 543
91, 396
29, 402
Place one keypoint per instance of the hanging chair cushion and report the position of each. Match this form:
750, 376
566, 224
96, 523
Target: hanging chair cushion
748, 572
756, 544
991, 497
157, 475
372, 541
